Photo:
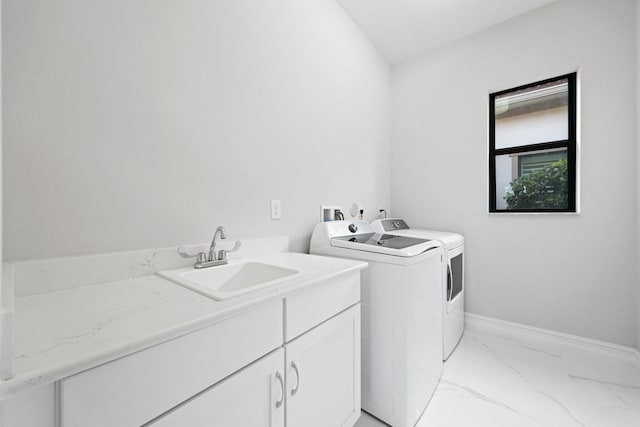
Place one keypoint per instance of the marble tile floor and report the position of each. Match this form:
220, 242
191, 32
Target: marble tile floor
496, 380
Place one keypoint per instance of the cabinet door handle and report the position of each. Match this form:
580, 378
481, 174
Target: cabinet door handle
281, 401
295, 368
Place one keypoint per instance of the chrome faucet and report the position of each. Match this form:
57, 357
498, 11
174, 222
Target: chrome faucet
214, 258
222, 233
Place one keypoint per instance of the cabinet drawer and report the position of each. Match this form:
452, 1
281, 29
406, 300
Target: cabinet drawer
308, 309
135, 389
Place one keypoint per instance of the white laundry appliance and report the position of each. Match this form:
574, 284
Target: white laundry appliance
453, 282
401, 301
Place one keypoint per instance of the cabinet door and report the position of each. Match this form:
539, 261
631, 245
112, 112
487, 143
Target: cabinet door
323, 373
252, 397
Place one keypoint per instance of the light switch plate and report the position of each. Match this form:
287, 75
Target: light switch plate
276, 211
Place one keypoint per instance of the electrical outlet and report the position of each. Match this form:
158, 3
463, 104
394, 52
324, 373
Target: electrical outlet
276, 209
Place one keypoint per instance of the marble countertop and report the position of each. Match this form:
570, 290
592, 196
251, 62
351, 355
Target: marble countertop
64, 332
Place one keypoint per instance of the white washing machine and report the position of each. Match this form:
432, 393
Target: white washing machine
453, 277
401, 296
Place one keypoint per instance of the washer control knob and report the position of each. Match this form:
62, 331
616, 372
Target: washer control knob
353, 228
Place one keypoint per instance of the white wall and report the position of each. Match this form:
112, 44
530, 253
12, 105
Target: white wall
569, 273
146, 124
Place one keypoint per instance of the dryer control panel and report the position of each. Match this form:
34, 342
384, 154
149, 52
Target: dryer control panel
394, 224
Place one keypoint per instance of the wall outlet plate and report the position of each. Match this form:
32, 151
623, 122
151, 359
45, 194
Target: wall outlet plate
328, 213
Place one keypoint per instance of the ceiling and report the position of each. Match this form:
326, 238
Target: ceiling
402, 29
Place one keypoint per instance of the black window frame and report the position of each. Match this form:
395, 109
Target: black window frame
570, 144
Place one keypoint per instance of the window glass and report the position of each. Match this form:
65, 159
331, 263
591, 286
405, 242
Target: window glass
532, 115
532, 180
532, 147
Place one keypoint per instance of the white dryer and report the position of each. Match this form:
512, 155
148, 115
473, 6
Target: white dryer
453, 277
401, 296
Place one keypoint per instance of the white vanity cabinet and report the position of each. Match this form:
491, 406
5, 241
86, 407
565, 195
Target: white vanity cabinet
293, 361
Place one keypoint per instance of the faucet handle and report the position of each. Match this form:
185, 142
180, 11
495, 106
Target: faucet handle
185, 254
222, 253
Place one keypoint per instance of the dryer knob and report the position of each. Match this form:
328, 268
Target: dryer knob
353, 228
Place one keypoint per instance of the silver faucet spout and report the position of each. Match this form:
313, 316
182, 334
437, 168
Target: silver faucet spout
220, 233
215, 257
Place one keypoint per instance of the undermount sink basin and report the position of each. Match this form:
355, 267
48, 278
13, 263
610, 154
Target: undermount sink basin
226, 281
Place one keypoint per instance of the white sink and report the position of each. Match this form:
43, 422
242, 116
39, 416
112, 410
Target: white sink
227, 281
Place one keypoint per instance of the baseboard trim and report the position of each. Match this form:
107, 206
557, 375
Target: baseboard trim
475, 321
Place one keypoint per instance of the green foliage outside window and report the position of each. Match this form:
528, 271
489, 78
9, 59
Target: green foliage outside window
546, 188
